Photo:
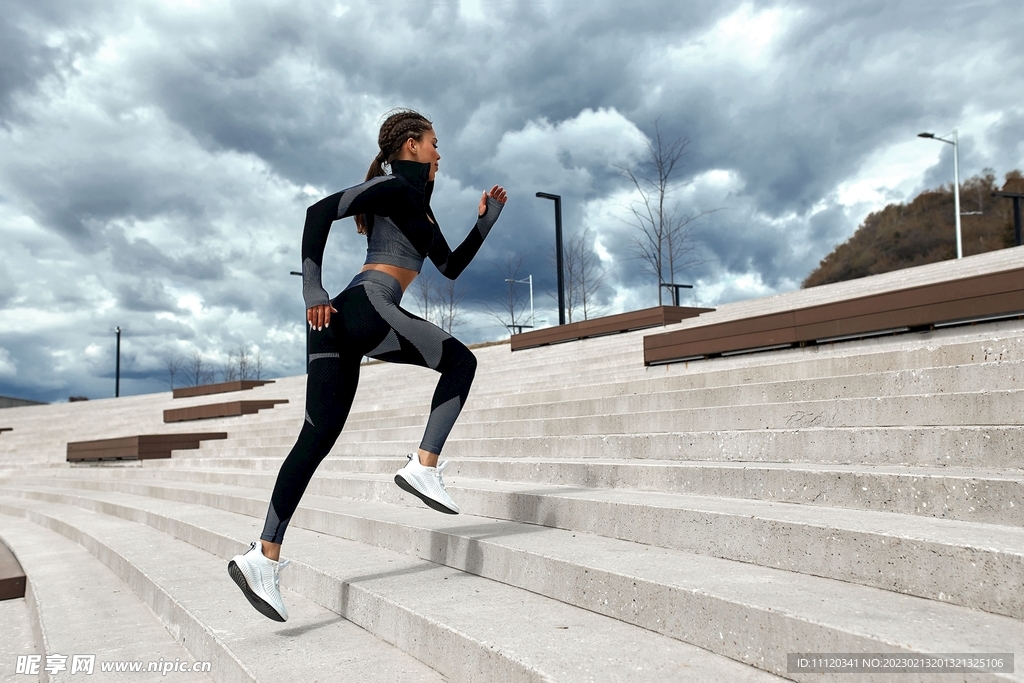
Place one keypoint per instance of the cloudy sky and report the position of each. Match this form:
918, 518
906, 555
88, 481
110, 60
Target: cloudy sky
157, 157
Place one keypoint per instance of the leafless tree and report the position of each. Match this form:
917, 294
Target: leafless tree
439, 301
583, 276
512, 307
665, 243
257, 363
426, 295
244, 362
173, 363
196, 370
450, 296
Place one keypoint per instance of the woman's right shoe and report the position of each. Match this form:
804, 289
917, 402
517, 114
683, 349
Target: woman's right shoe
259, 579
427, 484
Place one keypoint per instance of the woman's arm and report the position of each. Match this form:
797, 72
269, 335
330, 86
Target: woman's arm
382, 195
452, 263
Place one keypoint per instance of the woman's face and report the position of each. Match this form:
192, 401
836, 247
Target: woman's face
425, 151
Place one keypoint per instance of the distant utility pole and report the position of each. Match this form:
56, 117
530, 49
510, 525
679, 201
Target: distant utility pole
117, 367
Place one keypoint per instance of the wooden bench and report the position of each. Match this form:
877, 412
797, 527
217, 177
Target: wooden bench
612, 324
211, 410
923, 307
221, 388
12, 576
139, 447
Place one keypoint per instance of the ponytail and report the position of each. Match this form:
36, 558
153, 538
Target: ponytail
400, 125
364, 221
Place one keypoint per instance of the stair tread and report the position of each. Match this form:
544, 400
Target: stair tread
601, 648
923, 625
76, 592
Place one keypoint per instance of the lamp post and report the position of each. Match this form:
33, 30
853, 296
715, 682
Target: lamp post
117, 366
558, 252
533, 320
956, 181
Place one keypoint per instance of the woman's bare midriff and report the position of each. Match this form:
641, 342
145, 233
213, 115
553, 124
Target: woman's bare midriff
403, 275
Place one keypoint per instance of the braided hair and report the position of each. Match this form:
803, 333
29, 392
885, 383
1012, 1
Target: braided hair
399, 126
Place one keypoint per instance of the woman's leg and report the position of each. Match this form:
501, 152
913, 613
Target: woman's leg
414, 341
334, 356
330, 387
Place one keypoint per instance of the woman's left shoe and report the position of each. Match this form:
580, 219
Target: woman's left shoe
427, 484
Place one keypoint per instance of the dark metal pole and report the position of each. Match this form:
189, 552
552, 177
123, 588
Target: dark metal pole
558, 252
117, 368
1016, 197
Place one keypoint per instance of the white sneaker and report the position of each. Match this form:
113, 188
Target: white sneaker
426, 484
258, 577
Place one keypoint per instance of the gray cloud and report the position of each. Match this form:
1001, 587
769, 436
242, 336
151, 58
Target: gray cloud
155, 164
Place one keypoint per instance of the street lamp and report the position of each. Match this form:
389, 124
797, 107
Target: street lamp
117, 367
558, 252
956, 181
533, 320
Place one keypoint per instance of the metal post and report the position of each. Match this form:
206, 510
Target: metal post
1016, 197
1017, 221
117, 367
675, 291
532, 318
558, 252
956, 193
956, 181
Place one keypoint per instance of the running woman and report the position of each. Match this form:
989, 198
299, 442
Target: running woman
393, 211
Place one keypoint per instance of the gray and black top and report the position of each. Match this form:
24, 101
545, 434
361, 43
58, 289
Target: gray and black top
402, 230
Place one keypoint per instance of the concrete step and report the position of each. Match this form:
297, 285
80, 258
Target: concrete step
996, 408
459, 625
17, 640
759, 614
79, 606
208, 613
648, 396
986, 447
966, 563
967, 494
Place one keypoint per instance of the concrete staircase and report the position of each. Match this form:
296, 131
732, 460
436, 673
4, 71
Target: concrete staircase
688, 522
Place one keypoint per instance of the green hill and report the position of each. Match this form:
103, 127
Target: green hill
923, 231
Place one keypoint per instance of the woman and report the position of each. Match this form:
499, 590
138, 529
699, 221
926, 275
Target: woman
393, 211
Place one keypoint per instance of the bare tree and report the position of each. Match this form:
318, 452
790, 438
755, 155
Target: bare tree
244, 362
173, 363
512, 307
229, 371
583, 275
450, 296
426, 295
196, 370
664, 243
257, 363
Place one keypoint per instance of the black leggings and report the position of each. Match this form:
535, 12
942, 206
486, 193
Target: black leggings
369, 322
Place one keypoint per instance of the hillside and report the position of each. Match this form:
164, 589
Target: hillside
923, 231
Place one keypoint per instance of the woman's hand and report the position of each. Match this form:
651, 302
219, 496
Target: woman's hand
498, 192
319, 317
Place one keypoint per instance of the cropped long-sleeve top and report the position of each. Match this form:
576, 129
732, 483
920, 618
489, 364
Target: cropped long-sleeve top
402, 232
